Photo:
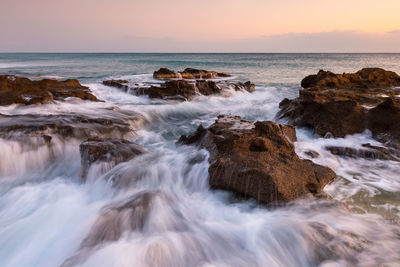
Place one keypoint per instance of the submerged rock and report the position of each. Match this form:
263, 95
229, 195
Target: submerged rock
129, 215
258, 160
109, 151
188, 73
20, 90
341, 104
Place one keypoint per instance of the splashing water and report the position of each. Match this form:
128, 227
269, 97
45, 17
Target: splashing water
157, 209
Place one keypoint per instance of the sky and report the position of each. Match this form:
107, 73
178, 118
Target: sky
199, 26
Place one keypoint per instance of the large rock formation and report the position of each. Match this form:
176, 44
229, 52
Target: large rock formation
258, 160
20, 90
181, 90
188, 73
341, 104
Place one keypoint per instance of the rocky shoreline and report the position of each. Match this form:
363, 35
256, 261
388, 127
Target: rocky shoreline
182, 86
251, 159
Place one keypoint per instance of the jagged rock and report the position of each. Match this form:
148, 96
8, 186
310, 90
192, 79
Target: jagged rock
20, 90
258, 160
188, 73
110, 151
341, 104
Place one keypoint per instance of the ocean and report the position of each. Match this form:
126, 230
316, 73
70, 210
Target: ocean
46, 211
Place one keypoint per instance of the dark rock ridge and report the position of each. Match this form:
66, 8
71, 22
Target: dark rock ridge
182, 90
341, 104
188, 73
110, 151
258, 160
20, 90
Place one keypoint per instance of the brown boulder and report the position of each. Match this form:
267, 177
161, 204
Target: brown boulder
341, 104
20, 90
110, 151
258, 160
188, 73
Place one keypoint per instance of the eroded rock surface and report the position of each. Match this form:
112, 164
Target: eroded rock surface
258, 160
341, 104
109, 151
20, 90
188, 73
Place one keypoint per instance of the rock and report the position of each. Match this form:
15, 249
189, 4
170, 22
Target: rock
164, 73
364, 78
170, 89
188, 73
20, 90
110, 151
121, 84
371, 152
258, 160
340, 104
106, 124
383, 121
182, 86
207, 88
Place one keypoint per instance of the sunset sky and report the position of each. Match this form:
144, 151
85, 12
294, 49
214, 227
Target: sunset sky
200, 26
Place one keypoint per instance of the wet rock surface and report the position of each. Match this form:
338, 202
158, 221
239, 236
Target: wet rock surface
188, 73
340, 104
20, 90
110, 151
258, 160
